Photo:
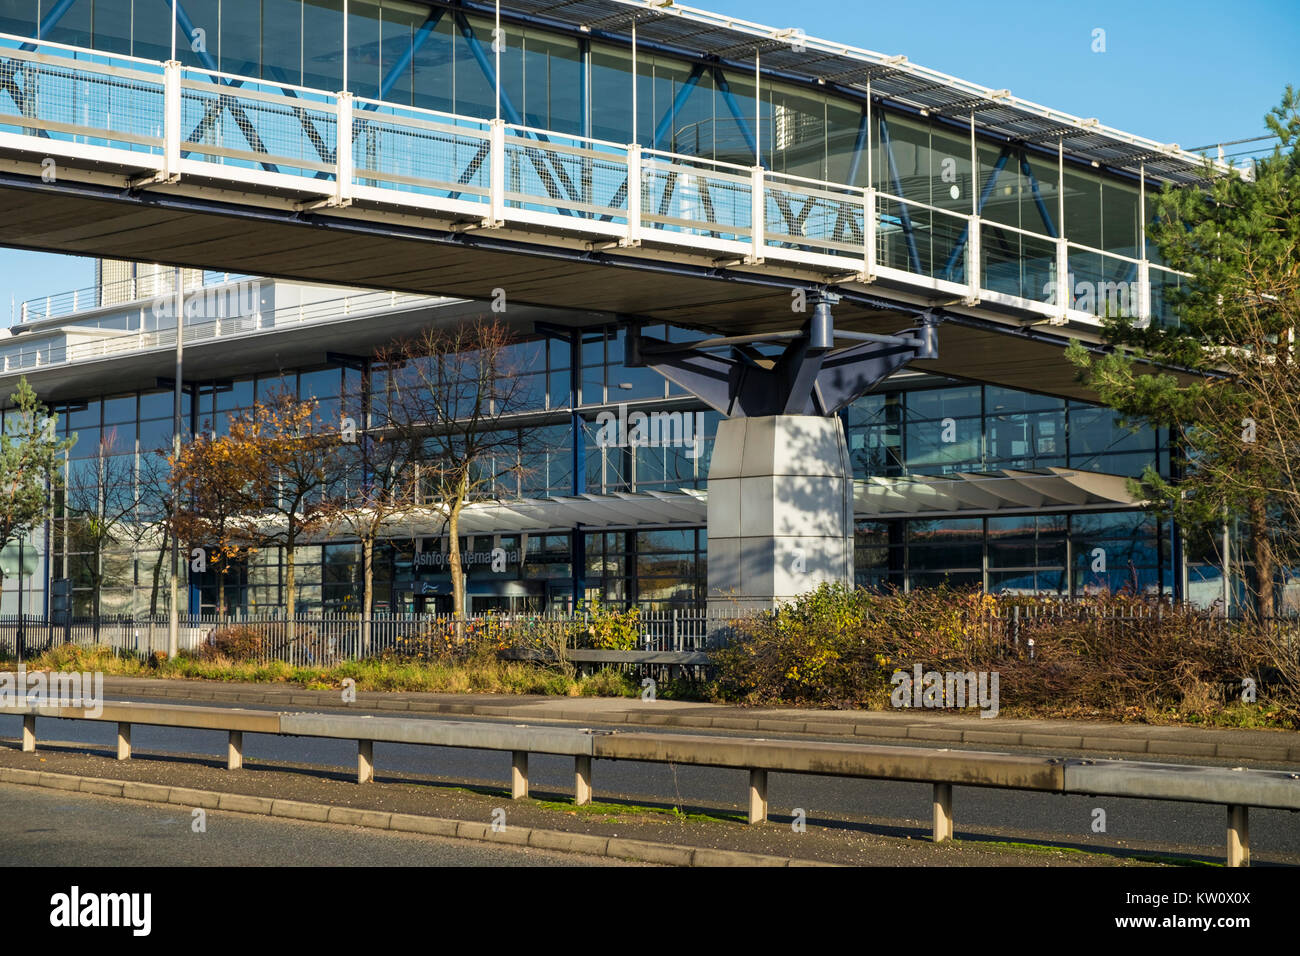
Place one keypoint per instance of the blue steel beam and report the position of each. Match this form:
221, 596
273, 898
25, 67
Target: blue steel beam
903, 215
734, 108
512, 114
1038, 196
794, 220
48, 23
679, 101
987, 191
186, 25
423, 33
859, 145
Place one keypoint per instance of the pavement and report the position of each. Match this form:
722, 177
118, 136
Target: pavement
57, 827
1093, 737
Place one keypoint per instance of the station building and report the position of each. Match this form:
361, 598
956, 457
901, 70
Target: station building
986, 217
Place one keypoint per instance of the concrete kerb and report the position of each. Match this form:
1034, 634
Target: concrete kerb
642, 851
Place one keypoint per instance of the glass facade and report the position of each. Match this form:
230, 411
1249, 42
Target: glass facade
1054, 554
935, 171
972, 428
100, 537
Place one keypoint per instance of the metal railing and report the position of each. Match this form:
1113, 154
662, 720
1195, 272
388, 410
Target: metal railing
170, 122
202, 328
676, 637
1238, 788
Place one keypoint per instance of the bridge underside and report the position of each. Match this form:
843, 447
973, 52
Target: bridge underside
373, 248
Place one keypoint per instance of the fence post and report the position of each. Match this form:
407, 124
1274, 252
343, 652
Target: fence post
365, 761
123, 741
518, 774
1238, 836
758, 796
582, 780
942, 812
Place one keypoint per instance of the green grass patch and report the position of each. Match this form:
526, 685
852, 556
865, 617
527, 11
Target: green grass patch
614, 810
485, 676
1157, 858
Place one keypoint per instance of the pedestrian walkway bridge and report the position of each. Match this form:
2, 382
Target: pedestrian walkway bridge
111, 155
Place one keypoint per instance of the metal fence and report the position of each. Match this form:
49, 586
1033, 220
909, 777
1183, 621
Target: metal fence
323, 639
317, 639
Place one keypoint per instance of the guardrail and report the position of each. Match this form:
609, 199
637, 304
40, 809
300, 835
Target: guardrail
163, 122
1238, 789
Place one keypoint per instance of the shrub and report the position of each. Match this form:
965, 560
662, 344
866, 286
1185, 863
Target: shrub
236, 642
1121, 656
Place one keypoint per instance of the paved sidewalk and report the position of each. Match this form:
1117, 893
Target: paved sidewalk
1097, 737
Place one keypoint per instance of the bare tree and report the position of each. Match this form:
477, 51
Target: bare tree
452, 394
378, 483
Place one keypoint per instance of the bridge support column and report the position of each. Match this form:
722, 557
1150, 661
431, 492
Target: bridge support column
235, 750
123, 741
1238, 836
780, 509
29, 733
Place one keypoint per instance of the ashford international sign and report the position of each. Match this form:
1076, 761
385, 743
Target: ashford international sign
498, 560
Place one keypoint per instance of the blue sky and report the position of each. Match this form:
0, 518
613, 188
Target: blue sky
1185, 71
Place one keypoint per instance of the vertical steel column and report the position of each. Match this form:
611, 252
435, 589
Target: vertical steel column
174, 624
634, 79
496, 53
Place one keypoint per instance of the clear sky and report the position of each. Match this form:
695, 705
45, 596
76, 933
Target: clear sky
1191, 72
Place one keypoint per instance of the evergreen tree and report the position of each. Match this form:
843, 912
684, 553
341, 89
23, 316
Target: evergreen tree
1223, 377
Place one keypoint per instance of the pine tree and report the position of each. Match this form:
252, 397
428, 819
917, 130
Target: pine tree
1223, 377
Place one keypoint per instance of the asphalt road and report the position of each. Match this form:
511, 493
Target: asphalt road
58, 828
980, 813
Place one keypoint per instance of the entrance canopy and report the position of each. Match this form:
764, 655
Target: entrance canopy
1005, 491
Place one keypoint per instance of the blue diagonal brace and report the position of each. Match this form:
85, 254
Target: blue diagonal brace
665, 124
1038, 196
186, 26
859, 146
985, 193
47, 23
734, 108
512, 114
903, 214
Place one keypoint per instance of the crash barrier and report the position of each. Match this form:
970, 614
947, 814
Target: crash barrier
1237, 788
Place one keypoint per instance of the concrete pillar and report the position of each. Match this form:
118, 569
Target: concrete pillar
942, 812
780, 509
235, 750
123, 741
1238, 836
518, 774
29, 733
758, 796
365, 761
582, 780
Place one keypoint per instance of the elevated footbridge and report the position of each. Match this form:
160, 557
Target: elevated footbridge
111, 155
